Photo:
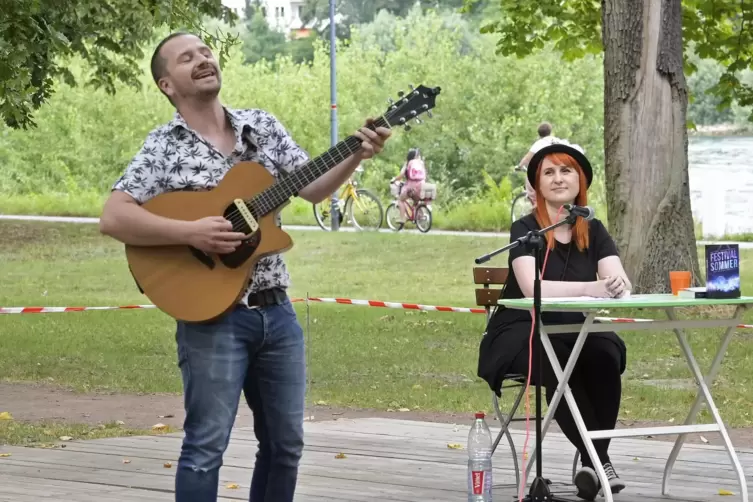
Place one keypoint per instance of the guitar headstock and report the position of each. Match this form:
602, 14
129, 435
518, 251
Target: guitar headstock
418, 101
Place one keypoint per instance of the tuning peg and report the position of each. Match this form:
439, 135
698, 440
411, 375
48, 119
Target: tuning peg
418, 121
412, 88
429, 114
400, 93
391, 101
407, 128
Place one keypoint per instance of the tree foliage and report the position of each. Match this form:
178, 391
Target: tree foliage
721, 30
37, 37
260, 42
358, 12
485, 119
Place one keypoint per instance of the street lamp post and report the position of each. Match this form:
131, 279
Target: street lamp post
335, 212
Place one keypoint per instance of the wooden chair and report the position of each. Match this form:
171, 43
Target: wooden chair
488, 297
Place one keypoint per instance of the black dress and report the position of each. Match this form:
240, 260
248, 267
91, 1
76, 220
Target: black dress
508, 331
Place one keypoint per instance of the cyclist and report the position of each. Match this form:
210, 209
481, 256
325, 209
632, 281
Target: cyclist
414, 171
545, 138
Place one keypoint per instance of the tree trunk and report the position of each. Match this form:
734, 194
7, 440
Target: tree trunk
646, 141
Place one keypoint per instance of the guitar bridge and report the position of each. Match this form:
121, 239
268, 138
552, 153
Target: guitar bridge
245, 212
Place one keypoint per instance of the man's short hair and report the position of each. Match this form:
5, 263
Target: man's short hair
158, 63
545, 128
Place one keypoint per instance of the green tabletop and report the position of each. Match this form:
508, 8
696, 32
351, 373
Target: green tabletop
584, 303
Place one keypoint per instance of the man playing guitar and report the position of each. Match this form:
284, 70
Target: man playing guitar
257, 347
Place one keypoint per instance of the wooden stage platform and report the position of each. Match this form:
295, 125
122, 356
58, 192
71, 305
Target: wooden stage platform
383, 459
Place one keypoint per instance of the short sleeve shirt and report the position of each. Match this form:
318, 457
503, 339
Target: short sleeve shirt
175, 157
565, 263
541, 143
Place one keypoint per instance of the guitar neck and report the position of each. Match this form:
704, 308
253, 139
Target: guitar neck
279, 193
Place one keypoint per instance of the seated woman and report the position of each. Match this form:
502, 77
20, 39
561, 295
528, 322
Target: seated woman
582, 261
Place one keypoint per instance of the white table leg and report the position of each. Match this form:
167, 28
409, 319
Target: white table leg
563, 388
563, 377
705, 394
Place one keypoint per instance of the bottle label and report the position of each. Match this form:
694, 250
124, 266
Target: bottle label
478, 482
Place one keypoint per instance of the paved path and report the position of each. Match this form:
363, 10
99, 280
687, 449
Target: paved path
73, 219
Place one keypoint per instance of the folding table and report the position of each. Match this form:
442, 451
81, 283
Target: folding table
668, 303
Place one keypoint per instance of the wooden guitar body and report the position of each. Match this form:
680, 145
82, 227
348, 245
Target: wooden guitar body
195, 288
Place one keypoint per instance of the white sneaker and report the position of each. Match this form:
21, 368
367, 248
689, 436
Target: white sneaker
587, 483
615, 483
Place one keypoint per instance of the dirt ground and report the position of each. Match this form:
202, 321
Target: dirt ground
35, 402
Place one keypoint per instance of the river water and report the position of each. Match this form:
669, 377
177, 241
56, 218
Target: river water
721, 183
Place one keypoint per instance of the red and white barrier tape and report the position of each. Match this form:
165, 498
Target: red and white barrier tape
396, 305
58, 310
341, 301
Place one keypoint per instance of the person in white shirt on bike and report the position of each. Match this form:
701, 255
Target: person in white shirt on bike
545, 138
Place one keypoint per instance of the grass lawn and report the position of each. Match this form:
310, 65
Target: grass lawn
359, 357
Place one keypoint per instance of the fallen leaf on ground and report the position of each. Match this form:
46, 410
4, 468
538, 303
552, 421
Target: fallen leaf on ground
120, 422
455, 446
167, 465
65, 438
340, 455
3, 455
321, 403
4, 415
159, 427
166, 416
705, 441
636, 459
722, 491
126, 461
232, 486
404, 409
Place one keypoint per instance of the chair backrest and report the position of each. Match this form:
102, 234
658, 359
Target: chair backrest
487, 296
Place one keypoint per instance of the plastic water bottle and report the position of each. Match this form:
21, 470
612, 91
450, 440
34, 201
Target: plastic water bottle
479, 461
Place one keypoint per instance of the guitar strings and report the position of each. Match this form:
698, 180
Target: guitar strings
236, 217
268, 201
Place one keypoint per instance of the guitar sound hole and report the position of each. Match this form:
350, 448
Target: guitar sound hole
242, 252
247, 247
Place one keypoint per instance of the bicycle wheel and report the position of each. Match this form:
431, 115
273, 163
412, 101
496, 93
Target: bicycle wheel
392, 215
423, 218
323, 213
520, 207
365, 210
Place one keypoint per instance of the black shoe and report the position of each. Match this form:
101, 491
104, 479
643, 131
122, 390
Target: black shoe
400, 226
587, 483
615, 483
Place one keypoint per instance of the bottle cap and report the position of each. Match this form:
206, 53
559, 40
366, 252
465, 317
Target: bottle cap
480, 414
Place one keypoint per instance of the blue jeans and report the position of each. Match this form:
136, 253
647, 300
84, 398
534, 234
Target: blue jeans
261, 352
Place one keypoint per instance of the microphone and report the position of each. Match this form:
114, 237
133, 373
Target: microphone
585, 212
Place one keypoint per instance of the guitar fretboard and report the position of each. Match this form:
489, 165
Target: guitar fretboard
276, 195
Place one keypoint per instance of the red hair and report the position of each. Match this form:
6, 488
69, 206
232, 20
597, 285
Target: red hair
580, 229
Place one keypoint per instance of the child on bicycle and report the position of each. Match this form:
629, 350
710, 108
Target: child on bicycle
414, 171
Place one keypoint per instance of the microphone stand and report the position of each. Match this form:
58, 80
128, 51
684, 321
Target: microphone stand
534, 242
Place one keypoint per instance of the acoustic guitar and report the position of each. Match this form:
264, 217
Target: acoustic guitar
193, 286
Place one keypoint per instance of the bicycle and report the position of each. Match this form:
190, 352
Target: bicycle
521, 204
419, 213
350, 200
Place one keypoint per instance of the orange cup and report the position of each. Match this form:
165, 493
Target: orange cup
679, 280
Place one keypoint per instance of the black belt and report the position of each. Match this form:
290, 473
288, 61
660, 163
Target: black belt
265, 297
